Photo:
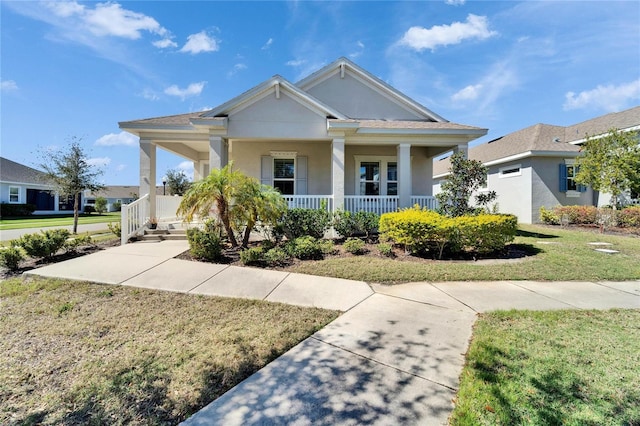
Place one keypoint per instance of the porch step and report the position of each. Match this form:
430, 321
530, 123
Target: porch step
163, 234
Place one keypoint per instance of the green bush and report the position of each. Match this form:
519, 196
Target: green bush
629, 217
204, 245
306, 247
115, 228
88, 209
10, 257
580, 215
548, 217
422, 231
117, 206
305, 222
252, 256
101, 205
362, 223
14, 210
44, 244
276, 256
386, 249
354, 246
327, 246
72, 244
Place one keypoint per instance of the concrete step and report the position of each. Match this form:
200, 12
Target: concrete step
160, 234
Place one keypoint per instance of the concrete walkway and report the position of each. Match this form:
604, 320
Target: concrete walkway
393, 357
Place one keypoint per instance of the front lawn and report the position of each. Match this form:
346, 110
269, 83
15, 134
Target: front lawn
552, 368
79, 353
554, 254
7, 223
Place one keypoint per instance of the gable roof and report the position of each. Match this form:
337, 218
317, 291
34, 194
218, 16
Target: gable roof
13, 172
544, 139
343, 64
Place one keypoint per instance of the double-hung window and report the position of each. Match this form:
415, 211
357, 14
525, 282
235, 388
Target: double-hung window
14, 194
285, 171
376, 175
284, 175
568, 184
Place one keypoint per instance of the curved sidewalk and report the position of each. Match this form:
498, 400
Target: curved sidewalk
393, 356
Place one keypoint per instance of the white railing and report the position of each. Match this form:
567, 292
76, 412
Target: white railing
378, 204
424, 201
309, 201
167, 206
133, 217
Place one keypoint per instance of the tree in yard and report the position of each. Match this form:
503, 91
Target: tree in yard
465, 177
101, 205
177, 181
69, 171
610, 163
237, 201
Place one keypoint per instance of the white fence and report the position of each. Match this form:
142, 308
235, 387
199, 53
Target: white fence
133, 217
424, 201
167, 206
310, 201
375, 204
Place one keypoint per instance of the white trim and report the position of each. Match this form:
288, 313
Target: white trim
512, 171
283, 154
384, 160
19, 193
602, 135
273, 170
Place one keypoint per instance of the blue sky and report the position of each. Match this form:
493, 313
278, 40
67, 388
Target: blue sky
78, 68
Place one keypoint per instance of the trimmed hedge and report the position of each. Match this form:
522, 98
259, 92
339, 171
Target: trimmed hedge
590, 215
43, 244
421, 230
299, 222
629, 217
16, 210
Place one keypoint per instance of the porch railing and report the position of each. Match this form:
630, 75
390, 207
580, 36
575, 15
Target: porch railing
133, 217
310, 201
424, 201
378, 204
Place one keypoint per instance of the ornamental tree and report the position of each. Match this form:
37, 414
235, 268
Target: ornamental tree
177, 181
465, 177
610, 163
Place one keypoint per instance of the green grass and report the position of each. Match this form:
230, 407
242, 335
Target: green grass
78, 353
62, 220
560, 255
552, 368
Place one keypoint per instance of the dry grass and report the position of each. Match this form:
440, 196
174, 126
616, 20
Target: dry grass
79, 353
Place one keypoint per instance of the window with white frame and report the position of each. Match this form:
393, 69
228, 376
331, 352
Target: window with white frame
284, 175
376, 175
510, 171
14, 194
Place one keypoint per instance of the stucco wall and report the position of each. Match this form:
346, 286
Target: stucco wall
545, 188
514, 192
356, 100
283, 118
246, 157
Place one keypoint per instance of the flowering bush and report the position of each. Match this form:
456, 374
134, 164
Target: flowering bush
629, 217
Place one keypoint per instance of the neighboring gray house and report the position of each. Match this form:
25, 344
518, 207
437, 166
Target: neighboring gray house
116, 195
20, 184
340, 137
533, 167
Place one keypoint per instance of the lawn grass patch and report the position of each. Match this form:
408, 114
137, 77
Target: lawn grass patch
555, 255
80, 353
56, 220
552, 368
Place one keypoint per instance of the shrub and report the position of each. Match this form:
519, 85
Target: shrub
101, 205
305, 222
72, 244
484, 233
580, 215
10, 257
252, 256
354, 246
327, 246
548, 217
386, 249
306, 247
204, 245
88, 209
276, 256
115, 228
629, 217
348, 224
13, 210
418, 230
44, 244
117, 206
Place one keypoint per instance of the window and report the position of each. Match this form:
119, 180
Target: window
510, 171
284, 175
43, 200
14, 194
376, 175
568, 172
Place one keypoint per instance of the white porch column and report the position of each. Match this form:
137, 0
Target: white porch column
404, 175
337, 173
464, 149
218, 157
148, 173
197, 171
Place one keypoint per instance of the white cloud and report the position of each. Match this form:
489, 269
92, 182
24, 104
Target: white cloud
455, 2
268, 44
8, 86
65, 9
110, 19
360, 46
236, 68
420, 38
608, 98
150, 95
187, 168
296, 62
116, 139
120, 167
164, 43
470, 92
200, 42
99, 161
194, 89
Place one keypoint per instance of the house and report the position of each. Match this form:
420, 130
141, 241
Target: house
533, 167
340, 137
20, 184
116, 195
